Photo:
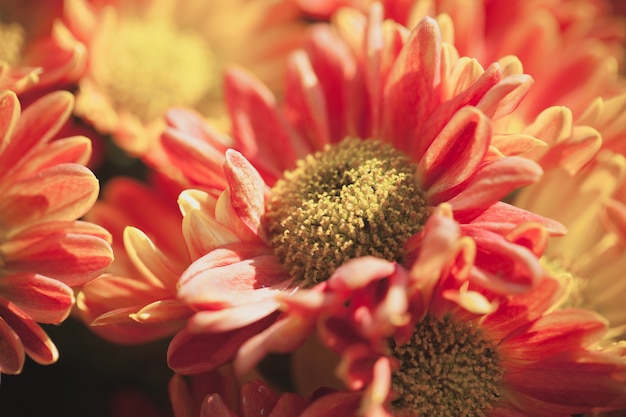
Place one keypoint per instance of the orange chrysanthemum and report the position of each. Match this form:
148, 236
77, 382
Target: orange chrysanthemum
353, 166
44, 250
426, 341
147, 56
582, 36
35, 51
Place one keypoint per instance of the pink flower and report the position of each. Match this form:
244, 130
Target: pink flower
354, 166
44, 250
427, 341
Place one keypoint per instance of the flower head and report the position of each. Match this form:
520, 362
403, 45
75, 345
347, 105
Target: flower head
353, 167
44, 250
36, 53
130, 82
426, 341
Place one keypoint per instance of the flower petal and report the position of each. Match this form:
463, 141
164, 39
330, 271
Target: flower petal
62, 192
191, 353
455, 154
247, 190
44, 299
495, 180
233, 275
36, 342
411, 91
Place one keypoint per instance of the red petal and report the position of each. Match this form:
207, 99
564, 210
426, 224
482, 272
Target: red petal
495, 180
191, 353
455, 154
561, 331
37, 125
199, 161
71, 258
36, 342
44, 299
305, 104
62, 192
411, 91
256, 399
247, 190
11, 350
260, 132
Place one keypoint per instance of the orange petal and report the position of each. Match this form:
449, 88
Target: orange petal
44, 299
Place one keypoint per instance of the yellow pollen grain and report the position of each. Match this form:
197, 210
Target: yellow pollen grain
148, 67
448, 368
355, 198
12, 38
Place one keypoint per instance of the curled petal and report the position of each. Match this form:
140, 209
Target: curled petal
233, 275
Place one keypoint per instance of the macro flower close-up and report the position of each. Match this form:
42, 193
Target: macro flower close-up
313, 208
350, 190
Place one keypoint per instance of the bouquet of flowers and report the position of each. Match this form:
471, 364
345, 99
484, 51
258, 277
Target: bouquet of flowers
313, 208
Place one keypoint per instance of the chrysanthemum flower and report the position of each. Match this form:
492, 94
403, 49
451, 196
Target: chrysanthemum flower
429, 342
591, 257
584, 38
44, 250
147, 56
135, 300
364, 153
35, 52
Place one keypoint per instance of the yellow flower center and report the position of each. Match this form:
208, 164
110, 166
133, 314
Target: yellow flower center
448, 368
148, 67
12, 37
355, 198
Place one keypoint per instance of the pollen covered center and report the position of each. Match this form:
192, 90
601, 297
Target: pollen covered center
148, 67
355, 198
448, 368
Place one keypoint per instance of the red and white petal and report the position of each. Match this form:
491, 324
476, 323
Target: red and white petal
454, 155
247, 190
233, 275
411, 92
